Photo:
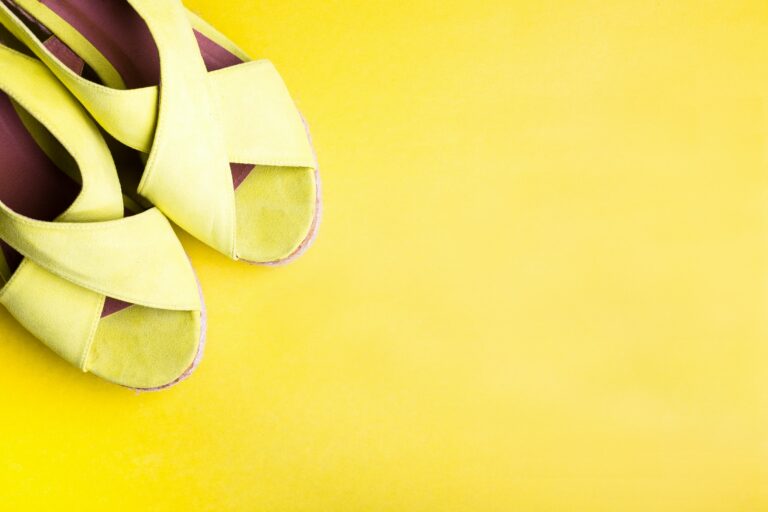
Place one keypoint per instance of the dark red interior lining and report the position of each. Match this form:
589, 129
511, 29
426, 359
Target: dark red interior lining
120, 34
31, 184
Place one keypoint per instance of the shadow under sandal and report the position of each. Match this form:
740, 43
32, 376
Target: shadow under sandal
115, 296
228, 156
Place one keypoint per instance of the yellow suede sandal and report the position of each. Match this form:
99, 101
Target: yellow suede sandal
115, 296
228, 156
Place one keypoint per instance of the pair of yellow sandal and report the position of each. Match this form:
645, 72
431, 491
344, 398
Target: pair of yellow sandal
203, 135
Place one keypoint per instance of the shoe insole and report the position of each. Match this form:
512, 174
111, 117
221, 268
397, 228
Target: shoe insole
119, 33
31, 184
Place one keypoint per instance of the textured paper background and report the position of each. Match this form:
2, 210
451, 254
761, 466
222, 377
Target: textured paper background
541, 283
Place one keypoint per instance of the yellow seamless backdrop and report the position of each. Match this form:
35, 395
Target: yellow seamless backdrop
541, 283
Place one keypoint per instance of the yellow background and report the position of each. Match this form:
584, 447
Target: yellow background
541, 283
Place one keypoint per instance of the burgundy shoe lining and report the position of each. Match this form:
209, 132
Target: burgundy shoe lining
112, 306
119, 33
31, 184
65, 55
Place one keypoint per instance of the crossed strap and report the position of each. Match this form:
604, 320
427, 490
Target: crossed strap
135, 259
193, 125
58, 292
90, 252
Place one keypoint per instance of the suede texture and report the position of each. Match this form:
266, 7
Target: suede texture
90, 252
194, 127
